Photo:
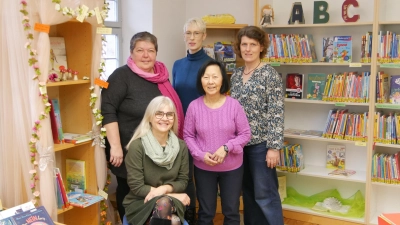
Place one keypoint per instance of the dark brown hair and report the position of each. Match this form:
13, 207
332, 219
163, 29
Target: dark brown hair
255, 33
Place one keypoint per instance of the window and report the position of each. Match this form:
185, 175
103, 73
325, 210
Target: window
113, 55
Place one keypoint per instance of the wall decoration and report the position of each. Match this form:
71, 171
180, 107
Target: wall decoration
297, 15
345, 8
321, 14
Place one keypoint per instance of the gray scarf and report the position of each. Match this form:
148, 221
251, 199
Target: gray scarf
164, 158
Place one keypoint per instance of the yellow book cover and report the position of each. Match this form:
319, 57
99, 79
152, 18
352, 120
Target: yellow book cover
76, 177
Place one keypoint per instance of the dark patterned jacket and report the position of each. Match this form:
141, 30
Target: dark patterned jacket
262, 98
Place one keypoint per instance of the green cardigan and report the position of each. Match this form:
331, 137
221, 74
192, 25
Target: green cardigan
143, 173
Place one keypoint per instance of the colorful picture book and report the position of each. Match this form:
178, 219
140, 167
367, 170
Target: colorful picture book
61, 193
56, 124
58, 54
343, 125
225, 53
76, 176
327, 49
16, 210
294, 85
209, 50
291, 158
336, 157
382, 87
388, 47
83, 200
342, 172
386, 168
37, 216
76, 138
394, 89
342, 49
316, 86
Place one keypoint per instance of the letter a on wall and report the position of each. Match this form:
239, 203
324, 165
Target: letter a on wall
345, 8
321, 14
296, 14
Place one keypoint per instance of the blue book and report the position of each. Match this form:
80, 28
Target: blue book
32, 217
83, 200
342, 49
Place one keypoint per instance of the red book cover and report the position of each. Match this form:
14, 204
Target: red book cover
53, 122
63, 192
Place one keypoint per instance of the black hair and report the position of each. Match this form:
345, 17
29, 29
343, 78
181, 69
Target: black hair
225, 79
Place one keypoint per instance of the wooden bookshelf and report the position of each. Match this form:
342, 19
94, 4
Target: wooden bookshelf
74, 98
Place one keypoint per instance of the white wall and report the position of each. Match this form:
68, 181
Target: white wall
136, 16
168, 21
242, 10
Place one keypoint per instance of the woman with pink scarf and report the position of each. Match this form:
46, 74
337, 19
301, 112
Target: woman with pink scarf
123, 104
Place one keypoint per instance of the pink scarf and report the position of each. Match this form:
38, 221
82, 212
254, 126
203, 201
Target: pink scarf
161, 78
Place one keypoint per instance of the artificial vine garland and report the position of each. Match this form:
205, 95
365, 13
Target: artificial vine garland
35, 137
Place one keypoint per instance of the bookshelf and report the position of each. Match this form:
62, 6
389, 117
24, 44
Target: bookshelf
74, 97
382, 15
223, 32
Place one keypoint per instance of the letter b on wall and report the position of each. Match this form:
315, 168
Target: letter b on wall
321, 14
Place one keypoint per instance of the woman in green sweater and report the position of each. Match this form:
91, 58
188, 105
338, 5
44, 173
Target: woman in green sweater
157, 165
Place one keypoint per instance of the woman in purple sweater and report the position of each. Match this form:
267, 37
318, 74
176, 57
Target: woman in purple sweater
216, 130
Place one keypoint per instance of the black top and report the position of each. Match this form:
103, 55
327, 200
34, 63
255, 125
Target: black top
125, 101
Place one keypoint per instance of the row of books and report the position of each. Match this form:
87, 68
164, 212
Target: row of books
387, 88
223, 52
337, 87
386, 128
386, 168
366, 48
291, 158
343, 125
291, 48
388, 47
56, 127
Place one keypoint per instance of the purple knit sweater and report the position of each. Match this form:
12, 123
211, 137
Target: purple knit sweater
206, 130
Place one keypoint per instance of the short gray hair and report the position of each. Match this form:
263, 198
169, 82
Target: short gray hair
196, 21
143, 36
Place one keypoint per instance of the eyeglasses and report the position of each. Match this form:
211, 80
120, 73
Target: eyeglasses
196, 34
160, 115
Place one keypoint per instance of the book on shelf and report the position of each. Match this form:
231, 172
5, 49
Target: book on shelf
63, 202
342, 172
209, 50
58, 53
327, 49
342, 49
224, 53
36, 216
76, 176
389, 219
394, 89
382, 87
336, 157
316, 86
83, 200
366, 47
291, 158
55, 119
294, 85
282, 187
386, 168
76, 138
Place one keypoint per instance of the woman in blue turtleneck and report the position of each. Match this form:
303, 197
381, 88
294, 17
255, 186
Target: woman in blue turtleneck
184, 75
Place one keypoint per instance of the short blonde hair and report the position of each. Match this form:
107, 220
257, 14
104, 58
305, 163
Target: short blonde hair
156, 104
196, 21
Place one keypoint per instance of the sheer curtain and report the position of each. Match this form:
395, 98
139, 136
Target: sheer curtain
16, 105
21, 104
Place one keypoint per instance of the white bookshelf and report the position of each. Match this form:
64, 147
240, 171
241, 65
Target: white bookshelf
323, 172
375, 15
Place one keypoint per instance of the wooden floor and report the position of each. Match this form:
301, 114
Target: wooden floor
219, 220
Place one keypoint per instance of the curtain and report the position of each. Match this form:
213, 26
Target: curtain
16, 105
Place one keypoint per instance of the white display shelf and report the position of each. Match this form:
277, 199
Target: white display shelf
320, 25
312, 212
324, 139
387, 145
386, 185
340, 104
323, 172
320, 64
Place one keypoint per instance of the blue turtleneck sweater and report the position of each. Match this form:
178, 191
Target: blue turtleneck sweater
184, 75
